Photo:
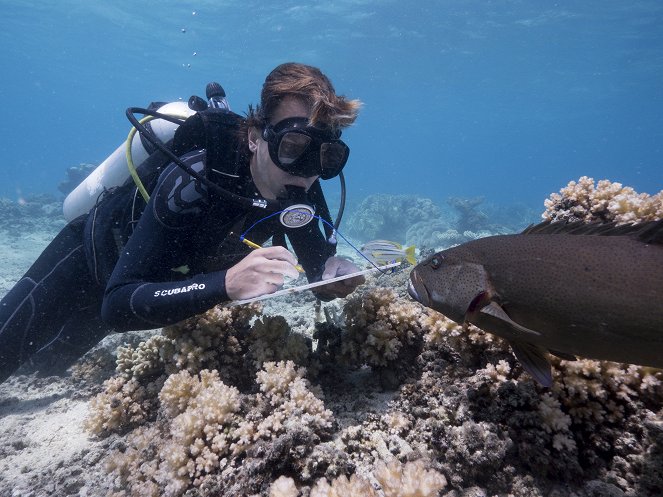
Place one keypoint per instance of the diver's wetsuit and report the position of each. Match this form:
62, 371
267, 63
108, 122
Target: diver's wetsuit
172, 266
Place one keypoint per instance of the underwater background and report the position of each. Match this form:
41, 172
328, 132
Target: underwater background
475, 113
504, 100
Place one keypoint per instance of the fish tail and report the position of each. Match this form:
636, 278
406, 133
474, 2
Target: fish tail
409, 255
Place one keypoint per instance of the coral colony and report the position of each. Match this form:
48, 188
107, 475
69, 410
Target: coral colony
233, 402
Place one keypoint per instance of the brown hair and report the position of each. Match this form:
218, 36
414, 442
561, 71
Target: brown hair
313, 87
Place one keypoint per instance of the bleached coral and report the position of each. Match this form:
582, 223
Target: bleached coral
283, 487
411, 479
199, 412
205, 425
144, 360
271, 339
199, 432
343, 486
210, 340
556, 421
378, 326
122, 405
135, 469
437, 327
605, 201
395, 479
286, 402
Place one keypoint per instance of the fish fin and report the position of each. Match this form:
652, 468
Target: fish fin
563, 355
648, 232
534, 361
651, 233
495, 310
409, 255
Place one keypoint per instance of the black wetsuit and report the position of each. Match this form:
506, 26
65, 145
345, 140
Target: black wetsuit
109, 271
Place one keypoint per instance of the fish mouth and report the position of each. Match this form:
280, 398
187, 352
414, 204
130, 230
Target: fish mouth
417, 290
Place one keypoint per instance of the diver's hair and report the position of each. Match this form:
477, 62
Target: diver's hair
310, 85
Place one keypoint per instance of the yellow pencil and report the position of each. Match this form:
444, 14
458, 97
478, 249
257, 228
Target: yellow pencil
256, 246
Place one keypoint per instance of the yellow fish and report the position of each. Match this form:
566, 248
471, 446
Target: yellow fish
381, 252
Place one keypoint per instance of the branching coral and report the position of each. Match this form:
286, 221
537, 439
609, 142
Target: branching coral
205, 426
379, 326
285, 402
205, 411
395, 479
124, 404
144, 360
605, 201
210, 340
271, 339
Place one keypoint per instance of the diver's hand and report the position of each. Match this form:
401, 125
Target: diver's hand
335, 266
261, 272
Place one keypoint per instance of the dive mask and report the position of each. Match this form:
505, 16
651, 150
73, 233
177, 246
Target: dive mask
305, 151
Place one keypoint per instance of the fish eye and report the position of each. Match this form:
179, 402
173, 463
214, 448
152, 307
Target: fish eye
436, 261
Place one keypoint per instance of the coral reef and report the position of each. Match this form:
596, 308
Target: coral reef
382, 216
419, 221
428, 235
74, 176
30, 214
122, 405
220, 405
585, 200
394, 479
463, 412
272, 339
381, 331
470, 217
208, 432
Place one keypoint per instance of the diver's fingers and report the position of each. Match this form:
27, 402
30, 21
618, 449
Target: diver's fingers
277, 252
280, 268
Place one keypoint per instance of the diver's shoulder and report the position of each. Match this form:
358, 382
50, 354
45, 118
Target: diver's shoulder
179, 196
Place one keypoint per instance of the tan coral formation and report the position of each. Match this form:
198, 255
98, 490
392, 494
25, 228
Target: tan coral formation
585, 200
378, 326
124, 404
272, 340
204, 428
208, 341
286, 402
395, 479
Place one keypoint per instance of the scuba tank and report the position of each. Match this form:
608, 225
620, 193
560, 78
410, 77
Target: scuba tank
114, 170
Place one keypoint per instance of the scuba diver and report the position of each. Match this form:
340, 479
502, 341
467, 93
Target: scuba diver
155, 251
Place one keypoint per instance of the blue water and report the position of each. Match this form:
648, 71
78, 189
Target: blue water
508, 100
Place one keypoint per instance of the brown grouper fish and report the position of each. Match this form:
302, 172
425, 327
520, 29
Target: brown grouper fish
570, 289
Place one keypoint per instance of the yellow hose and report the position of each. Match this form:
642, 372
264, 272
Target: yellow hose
130, 161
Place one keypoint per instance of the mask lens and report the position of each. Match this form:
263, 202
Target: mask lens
333, 157
292, 147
